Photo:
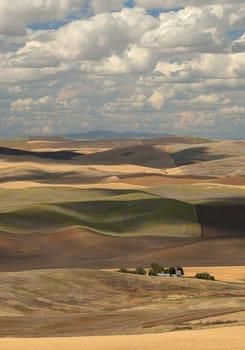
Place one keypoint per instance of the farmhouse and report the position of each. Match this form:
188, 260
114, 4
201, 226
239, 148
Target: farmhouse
178, 273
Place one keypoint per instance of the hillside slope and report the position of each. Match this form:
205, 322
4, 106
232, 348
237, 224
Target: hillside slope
181, 201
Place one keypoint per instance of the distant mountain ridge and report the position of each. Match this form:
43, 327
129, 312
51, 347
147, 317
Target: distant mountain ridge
108, 134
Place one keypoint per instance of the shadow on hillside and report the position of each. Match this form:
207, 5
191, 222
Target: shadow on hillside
222, 220
143, 155
57, 155
69, 177
196, 155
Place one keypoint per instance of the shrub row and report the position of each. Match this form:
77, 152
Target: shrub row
204, 276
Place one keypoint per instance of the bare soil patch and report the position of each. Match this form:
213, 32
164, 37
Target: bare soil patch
230, 180
222, 220
161, 179
79, 247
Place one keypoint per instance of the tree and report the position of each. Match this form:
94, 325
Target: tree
172, 270
140, 270
155, 269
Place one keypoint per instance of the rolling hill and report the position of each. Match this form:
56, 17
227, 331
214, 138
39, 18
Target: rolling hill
71, 208
121, 212
105, 202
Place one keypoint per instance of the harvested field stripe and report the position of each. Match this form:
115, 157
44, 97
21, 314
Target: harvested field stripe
224, 338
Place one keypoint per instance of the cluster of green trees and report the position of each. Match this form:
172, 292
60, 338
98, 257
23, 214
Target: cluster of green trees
154, 270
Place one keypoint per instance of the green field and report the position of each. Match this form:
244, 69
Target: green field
201, 193
113, 212
164, 210
18, 198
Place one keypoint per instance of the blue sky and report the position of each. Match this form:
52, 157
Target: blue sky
155, 12
79, 65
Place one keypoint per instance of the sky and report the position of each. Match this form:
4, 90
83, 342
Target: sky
170, 66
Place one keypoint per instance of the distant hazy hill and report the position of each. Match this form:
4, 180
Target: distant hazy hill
107, 134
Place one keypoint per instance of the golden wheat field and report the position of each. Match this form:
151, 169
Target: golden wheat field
223, 338
221, 273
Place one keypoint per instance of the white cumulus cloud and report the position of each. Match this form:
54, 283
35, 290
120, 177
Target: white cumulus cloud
105, 63
16, 15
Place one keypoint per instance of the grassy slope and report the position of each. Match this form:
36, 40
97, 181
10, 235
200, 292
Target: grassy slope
96, 288
219, 208
17, 198
90, 302
125, 212
107, 211
200, 193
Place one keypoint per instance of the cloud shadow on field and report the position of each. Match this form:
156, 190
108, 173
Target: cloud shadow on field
221, 220
46, 177
195, 155
58, 155
142, 155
